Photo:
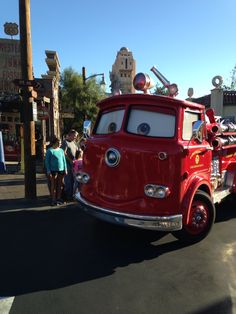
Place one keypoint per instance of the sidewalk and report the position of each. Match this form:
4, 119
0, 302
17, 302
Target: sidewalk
12, 193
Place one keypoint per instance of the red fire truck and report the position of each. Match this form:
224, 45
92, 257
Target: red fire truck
155, 162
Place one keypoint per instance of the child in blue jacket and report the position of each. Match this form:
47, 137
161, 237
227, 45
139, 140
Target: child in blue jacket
55, 163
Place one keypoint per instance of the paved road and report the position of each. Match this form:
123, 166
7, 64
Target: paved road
59, 260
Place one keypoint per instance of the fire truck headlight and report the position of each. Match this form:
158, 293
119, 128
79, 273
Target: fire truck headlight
78, 177
149, 190
83, 177
160, 192
157, 191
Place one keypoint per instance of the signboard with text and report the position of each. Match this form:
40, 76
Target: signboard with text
10, 65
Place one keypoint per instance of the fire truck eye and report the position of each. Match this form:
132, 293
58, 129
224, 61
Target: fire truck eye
143, 129
112, 127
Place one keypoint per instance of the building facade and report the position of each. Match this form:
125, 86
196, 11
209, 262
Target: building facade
53, 76
123, 72
47, 122
10, 103
10, 65
222, 101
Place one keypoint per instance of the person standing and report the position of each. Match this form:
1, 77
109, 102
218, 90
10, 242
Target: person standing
77, 166
56, 167
70, 148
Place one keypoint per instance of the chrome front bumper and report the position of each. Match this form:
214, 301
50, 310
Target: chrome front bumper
160, 223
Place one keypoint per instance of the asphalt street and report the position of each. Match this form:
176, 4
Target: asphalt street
59, 260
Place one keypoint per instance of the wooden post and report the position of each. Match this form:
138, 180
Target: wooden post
28, 123
84, 74
22, 161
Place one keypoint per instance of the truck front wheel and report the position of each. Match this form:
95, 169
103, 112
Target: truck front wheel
201, 219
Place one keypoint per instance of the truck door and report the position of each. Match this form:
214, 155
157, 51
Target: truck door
198, 153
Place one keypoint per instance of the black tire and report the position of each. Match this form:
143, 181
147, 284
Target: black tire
202, 217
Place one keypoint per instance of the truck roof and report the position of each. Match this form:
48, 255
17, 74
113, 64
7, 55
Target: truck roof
148, 98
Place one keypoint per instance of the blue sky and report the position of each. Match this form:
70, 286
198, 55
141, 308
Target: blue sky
190, 41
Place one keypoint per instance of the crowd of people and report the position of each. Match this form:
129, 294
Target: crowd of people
63, 161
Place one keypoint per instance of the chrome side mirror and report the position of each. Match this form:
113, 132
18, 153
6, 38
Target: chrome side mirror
197, 133
87, 128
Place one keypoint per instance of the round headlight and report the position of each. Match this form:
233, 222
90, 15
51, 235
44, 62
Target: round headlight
85, 178
157, 191
160, 192
78, 177
149, 190
112, 157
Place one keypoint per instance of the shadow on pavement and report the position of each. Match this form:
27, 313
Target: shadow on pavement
22, 203
50, 249
223, 306
43, 250
18, 181
226, 210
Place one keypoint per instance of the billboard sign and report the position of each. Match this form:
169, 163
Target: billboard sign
10, 65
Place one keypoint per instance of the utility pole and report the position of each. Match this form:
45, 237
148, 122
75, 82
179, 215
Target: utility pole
84, 74
28, 123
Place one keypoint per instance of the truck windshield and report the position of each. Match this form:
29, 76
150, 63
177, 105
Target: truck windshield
151, 123
110, 122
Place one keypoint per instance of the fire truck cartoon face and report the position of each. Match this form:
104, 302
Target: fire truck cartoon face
150, 163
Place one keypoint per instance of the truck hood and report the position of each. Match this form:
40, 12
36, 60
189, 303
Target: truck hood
120, 169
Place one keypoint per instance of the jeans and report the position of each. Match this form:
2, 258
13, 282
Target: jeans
69, 183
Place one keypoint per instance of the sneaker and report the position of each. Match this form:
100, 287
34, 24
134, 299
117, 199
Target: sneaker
60, 202
53, 203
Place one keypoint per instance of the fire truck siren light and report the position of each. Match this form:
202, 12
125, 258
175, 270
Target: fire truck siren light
143, 82
173, 90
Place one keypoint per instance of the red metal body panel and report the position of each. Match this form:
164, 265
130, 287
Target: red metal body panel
122, 188
189, 161
157, 163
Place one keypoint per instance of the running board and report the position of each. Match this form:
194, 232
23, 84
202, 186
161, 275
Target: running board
218, 196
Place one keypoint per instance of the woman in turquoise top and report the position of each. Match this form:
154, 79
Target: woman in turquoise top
55, 163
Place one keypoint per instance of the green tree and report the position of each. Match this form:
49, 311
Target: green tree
232, 85
160, 90
79, 98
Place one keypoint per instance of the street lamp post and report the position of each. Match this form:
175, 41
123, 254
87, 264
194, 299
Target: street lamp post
102, 83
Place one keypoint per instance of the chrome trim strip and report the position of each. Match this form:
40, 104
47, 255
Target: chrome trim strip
173, 222
197, 146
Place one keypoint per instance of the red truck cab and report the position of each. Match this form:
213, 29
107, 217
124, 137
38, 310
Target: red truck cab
150, 163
